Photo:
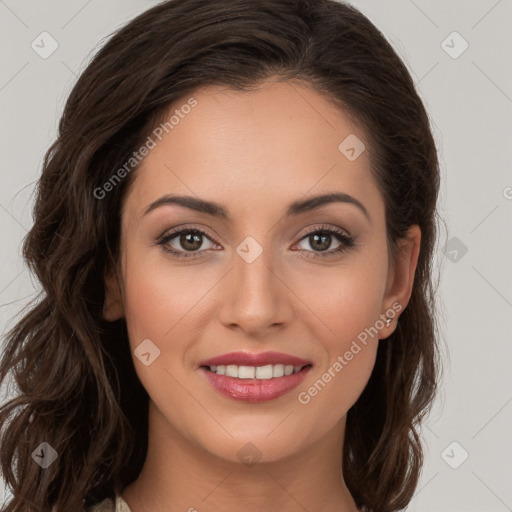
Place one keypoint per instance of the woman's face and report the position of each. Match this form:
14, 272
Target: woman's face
277, 272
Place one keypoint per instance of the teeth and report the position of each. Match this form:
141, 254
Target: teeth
278, 370
231, 370
246, 372
266, 372
262, 372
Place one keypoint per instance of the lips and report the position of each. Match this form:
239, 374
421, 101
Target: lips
255, 377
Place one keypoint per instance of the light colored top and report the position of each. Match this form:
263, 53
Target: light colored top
107, 505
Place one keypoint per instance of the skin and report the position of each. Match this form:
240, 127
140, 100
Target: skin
254, 153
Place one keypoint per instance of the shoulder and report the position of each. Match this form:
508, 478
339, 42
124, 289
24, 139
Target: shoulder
107, 505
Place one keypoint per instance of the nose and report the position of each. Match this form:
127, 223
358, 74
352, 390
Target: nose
256, 300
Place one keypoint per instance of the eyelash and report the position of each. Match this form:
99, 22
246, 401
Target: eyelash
346, 241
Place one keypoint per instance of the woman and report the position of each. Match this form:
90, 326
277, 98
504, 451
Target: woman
233, 233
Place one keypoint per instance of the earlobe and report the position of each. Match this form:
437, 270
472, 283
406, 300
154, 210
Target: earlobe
400, 283
113, 308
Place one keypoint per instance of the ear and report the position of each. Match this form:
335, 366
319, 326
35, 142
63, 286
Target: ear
401, 277
113, 308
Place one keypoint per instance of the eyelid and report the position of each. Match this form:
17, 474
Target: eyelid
328, 228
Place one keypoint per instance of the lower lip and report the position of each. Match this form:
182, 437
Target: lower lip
255, 390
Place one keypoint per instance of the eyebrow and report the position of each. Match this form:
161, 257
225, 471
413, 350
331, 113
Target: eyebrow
217, 210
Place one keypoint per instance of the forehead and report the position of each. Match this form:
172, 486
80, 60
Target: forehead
252, 148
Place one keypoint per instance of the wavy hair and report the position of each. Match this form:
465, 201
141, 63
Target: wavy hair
77, 388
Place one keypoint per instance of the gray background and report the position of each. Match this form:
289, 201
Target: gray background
469, 99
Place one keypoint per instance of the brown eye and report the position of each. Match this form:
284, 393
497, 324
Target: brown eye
191, 242
321, 239
179, 243
320, 242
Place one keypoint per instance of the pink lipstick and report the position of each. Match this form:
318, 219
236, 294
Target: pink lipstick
255, 377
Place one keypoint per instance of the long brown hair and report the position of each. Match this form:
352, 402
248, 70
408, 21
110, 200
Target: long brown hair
77, 386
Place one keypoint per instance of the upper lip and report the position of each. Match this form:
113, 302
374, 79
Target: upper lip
251, 359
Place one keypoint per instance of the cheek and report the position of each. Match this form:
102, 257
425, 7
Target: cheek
344, 319
159, 300
335, 389
165, 305
349, 342
159, 306
343, 302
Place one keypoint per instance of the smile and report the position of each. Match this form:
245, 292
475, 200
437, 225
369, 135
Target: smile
254, 377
